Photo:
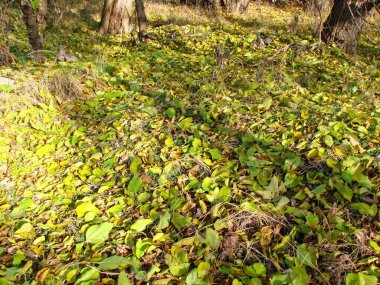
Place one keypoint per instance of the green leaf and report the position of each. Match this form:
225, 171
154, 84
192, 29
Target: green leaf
255, 270
347, 177
20, 210
203, 269
170, 112
223, 194
273, 189
86, 207
114, 210
293, 161
332, 163
299, 276
215, 154
71, 275
164, 220
135, 165
98, 233
312, 220
344, 190
26, 231
123, 279
140, 225
143, 197
236, 282
135, 87
18, 258
88, 274
179, 269
360, 279
135, 184
255, 281
254, 85
193, 279
35, 4
113, 262
180, 221
150, 110
12, 274
98, 172
307, 255
142, 246
169, 142
44, 150
212, 238
328, 140
374, 246
196, 142
365, 209
207, 183
5, 87
267, 103
186, 123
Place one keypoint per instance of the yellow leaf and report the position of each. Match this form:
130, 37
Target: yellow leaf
26, 231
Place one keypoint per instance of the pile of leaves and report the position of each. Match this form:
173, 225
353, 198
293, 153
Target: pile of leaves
208, 155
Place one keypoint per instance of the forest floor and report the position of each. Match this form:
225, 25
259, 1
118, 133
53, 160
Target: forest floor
229, 150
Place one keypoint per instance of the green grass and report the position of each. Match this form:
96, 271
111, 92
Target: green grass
205, 156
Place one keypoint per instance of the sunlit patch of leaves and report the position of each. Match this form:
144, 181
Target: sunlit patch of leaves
207, 155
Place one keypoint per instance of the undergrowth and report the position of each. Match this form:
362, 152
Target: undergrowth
212, 154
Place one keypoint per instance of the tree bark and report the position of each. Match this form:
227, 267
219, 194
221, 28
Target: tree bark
217, 5
346, 22
106, 15
116, 17
30, 17
237, 6
50, 12
141, 19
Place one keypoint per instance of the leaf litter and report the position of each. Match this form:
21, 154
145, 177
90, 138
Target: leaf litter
184, 168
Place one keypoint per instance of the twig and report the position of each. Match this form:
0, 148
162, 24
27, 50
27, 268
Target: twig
40, 50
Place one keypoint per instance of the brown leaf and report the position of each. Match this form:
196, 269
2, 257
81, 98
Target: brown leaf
41, 275
194, 170
54, 261
146, 179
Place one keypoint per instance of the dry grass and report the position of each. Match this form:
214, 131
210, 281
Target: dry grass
339, 267
251, 220
23, 94
164, 14
260, 17
339, 262
64, 86
241, 224
61, 87
6, 58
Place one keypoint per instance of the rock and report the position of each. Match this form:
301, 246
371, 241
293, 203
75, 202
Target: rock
63, 55
7, 81
268, 41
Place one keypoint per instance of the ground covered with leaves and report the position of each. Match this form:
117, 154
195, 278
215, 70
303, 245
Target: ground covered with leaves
208, 155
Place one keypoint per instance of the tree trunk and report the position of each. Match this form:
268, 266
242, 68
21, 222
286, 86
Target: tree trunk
30, 17
50, 12
237, 6
141, 19
217, 5
346, 22
117, 17
106, 14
